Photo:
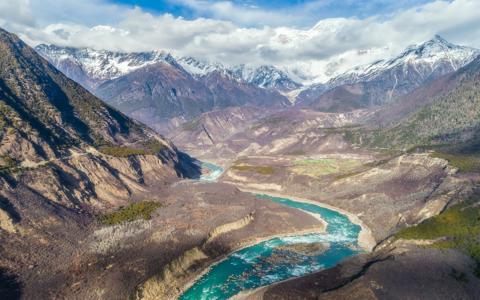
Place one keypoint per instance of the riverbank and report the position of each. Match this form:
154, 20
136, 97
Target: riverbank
365, 238
242, 245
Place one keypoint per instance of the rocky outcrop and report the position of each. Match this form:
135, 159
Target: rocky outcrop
226, 228
215, 127
175, 275
6, 223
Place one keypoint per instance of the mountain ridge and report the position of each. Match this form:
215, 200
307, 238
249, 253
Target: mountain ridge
154, 87
383, 81
103, 65
449, 115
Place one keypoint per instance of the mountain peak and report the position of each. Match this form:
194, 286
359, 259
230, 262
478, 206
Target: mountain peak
100, 65
92, 67
438, 39
417, 63
434, 45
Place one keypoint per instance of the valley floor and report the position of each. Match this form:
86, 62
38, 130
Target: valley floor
386, 192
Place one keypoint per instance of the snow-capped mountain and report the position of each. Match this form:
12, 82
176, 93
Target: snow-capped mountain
156, 87
426, 60
93, 67
383, 81
367, 85
198, 68
266, 76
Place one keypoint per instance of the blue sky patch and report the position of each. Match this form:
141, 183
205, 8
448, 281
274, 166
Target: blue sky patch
311, 10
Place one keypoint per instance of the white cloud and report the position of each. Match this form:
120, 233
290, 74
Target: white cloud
243, 14
332, 44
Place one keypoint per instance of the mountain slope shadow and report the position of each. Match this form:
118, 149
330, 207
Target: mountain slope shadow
10, 288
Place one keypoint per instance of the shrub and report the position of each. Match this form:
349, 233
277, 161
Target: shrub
121, 151
322, 167
153, 146
149, 147
6, 162
464, 162
135, 211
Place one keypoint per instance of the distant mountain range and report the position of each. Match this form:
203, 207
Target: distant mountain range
92, 67
428, 95
154, 87
157, 87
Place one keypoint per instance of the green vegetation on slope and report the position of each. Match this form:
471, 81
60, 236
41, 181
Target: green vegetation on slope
269, 121
122, 151
263, 170
457, 227
6, 162
321, 167
464, 162
154, 146
149, 147
135, 211
450, 118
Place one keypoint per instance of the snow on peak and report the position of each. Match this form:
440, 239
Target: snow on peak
265, 76
103, 64
435, 50
198, 67
425, 58
434, 54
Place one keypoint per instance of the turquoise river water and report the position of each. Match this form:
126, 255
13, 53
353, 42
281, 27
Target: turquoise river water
213, 174
264, 263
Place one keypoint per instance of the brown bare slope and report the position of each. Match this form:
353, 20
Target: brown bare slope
65, 157
157, 93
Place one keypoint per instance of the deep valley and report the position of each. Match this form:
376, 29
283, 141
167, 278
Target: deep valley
156, 175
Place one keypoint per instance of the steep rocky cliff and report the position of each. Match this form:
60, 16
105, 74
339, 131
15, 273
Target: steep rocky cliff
65, 157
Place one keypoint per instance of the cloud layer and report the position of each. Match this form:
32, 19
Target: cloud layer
333, 44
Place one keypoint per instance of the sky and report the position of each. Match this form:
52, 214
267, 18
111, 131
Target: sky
320, 35
290, 12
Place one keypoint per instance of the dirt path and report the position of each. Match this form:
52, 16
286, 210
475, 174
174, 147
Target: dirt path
31, 165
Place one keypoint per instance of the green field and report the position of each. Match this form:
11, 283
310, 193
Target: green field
263, 170
322, 167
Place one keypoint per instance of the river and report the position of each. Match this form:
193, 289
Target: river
275, 260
